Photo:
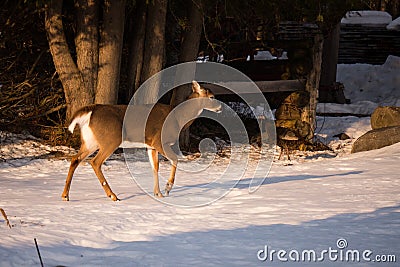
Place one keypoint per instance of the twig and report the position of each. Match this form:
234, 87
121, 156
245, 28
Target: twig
50, 111
206, 37
35, 63
11, 99
5, 217
12, 64
37, 249
40, 115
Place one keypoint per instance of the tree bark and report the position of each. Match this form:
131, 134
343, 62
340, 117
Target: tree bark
87, 44
76, 95
313, 78
110, 52
136, 48
330, 57
189, 49
154, 45
192, 34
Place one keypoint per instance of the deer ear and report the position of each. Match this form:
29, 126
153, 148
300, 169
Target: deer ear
196, 87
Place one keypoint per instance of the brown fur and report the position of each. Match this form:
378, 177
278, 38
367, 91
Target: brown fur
107, 122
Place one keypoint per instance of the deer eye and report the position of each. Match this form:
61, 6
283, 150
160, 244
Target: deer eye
212, 97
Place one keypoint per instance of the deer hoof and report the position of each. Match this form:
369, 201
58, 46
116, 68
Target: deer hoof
114, 197
168, 188
158, 194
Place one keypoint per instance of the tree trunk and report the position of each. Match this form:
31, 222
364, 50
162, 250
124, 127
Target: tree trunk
136, 48
189, 51
76, 95
87, 45
110, 52
154, 45
313, 78
330, 57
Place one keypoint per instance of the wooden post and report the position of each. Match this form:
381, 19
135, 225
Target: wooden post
330, 57
312, 84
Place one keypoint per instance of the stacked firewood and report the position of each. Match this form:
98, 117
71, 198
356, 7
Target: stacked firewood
291, 131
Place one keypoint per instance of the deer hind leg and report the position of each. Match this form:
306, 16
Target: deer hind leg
75, 161
96, 163
153, 157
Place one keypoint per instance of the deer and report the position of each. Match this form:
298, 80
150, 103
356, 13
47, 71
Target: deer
101, 127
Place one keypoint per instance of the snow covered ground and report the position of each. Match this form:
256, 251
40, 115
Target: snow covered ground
332, 203
367, 87
306, 206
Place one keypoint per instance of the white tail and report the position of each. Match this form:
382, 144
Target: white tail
81, 121
101, 129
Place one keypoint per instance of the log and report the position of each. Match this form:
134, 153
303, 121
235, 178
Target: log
264, 86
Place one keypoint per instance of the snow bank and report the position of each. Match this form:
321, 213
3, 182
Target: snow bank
367, 17
394, 25
24, 147
367, 86
264, 55
376, 83
359, 108
329, 127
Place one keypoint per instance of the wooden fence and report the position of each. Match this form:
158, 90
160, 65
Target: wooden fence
369, 44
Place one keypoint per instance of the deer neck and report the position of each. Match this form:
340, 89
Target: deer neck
186, 112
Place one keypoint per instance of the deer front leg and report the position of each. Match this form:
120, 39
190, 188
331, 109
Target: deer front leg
171, 155
153, 157
171, 179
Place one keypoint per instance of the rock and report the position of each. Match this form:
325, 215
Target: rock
385, 117
377, 138
342, 136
